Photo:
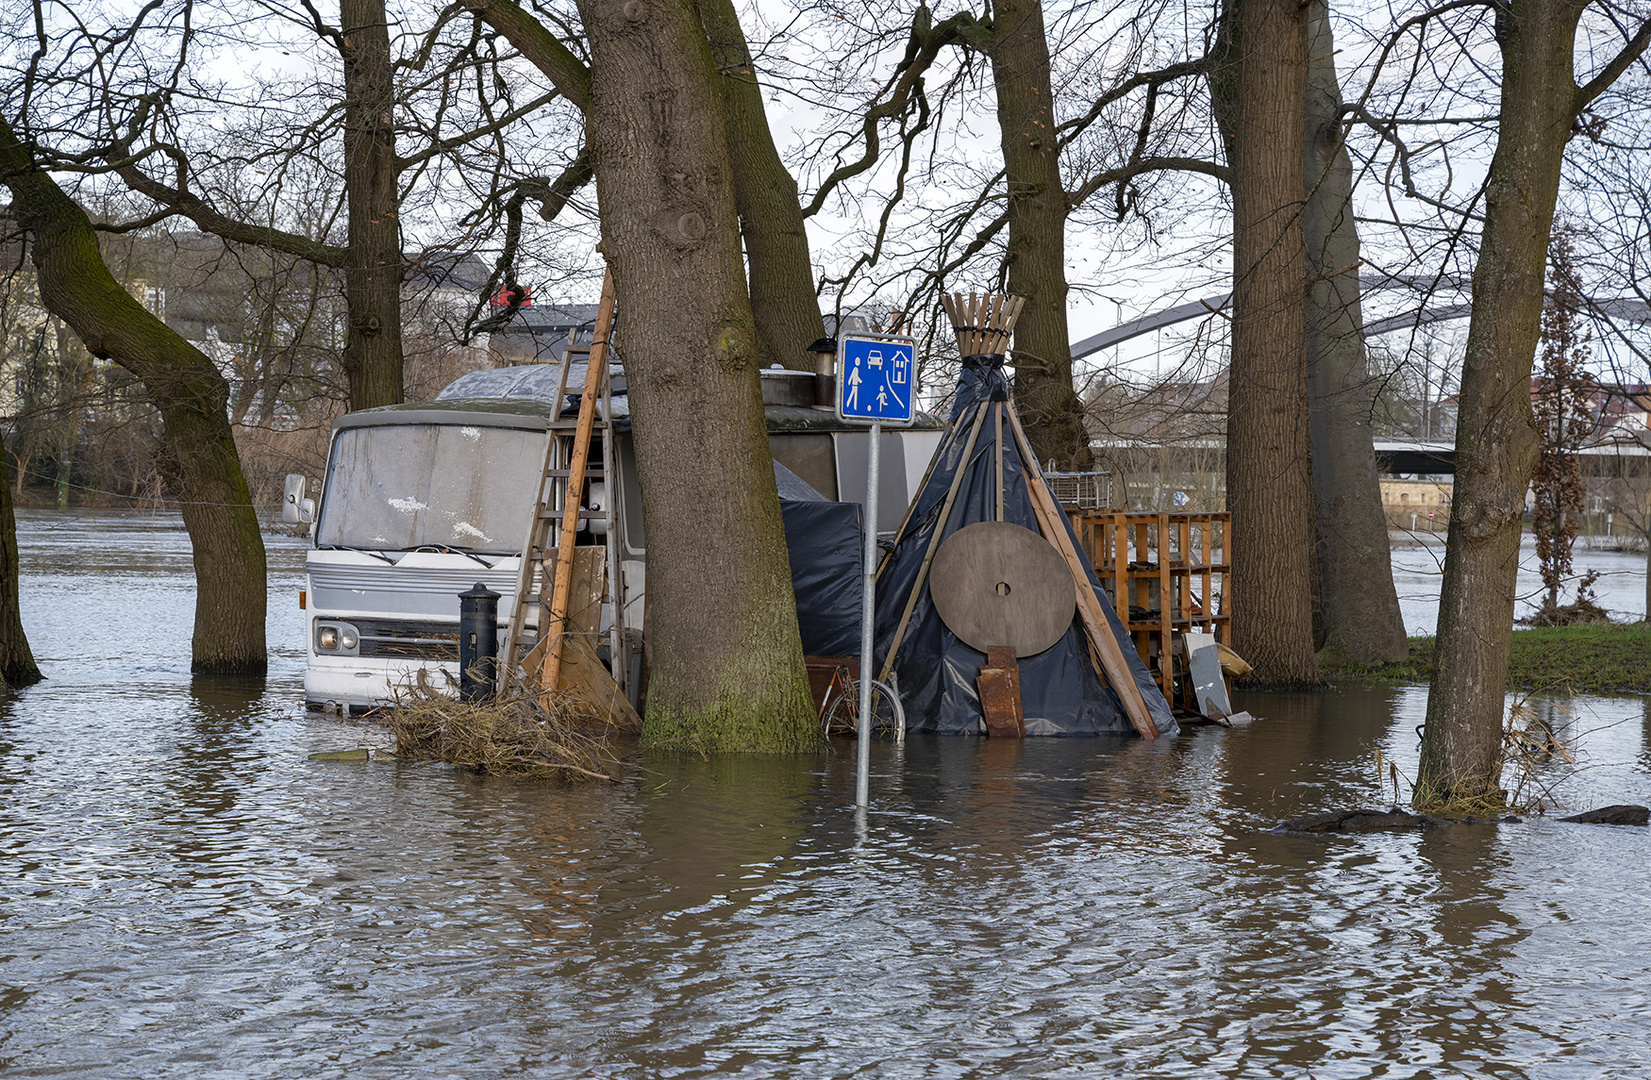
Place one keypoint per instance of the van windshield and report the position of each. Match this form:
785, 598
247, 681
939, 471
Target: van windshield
404, 486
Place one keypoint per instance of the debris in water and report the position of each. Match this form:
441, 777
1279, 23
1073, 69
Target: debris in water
1359, 821
522, 733
1613, 815
360, 753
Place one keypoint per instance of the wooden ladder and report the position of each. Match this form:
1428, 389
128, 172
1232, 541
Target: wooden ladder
543, 586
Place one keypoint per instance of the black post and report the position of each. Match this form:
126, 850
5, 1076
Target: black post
478, 642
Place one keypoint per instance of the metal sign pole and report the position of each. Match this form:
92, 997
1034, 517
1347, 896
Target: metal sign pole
862, 784
876, 380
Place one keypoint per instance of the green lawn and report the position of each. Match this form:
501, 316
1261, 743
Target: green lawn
1597, 658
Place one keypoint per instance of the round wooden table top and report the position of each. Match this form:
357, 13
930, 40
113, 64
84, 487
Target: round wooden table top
996, 583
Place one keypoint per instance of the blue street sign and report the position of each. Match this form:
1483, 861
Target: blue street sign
875, 379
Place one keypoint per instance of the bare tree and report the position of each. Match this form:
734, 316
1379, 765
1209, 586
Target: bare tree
1358, 606
727, 670
780, 273
199, 460
1008, 220
383, 93
1035, 205
1269, 479
17, 665
1496, 438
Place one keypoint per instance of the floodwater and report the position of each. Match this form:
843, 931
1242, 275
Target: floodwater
1418, 570
187, 895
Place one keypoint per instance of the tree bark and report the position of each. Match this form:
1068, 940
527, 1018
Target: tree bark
539, 46
1269, 481
1496, 437
199, 460
1036, 254
727, 671
781, 273
372, 278
1359, 608
17, 666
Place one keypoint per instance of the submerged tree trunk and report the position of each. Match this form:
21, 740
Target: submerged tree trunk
198, 459
1359, 608
17, 664
727, 667
372, 356
781, 273
1036, 255
1496, 437
1269, 482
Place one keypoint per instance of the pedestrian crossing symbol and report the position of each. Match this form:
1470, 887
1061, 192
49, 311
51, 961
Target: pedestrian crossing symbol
875, 379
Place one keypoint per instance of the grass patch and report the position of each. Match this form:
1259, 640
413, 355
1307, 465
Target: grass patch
1597, 658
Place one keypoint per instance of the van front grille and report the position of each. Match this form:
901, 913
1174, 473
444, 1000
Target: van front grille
408, 639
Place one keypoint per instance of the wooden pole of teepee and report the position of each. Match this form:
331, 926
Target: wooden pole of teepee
1101, 639
934, 542
596, 366
911, 508
997, 433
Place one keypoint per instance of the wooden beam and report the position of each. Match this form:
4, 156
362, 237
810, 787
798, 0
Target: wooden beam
1101, 641
595, 367
934, 542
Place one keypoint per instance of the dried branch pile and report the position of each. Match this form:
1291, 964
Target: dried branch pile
513, 735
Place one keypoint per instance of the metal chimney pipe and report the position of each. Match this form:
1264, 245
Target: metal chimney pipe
825, 373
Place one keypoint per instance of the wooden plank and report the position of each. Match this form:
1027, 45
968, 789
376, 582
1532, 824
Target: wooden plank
586, 586
1120, 568
595, 369
1166, 612
997, 431
1105, 646
1206, 598
999, 686
581, 674
585, 589
1183, 593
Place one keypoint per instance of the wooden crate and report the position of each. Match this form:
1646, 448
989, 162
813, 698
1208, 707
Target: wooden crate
1171, 570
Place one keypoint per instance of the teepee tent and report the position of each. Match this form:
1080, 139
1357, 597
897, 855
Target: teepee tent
986, 562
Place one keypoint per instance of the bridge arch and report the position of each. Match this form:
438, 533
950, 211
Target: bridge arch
1631, 309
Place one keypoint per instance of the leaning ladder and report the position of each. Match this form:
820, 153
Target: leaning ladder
542, 587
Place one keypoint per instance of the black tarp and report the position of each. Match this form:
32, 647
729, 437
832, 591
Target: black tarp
1061, 693
826, 542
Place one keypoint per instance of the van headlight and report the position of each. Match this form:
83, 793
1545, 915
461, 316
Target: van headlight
336, 638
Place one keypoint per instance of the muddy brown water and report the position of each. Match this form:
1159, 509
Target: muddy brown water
187, 895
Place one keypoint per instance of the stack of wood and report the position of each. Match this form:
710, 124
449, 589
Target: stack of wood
983, 323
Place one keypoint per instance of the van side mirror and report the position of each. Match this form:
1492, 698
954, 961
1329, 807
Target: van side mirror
295, 509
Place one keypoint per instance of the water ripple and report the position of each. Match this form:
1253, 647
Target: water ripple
189, 896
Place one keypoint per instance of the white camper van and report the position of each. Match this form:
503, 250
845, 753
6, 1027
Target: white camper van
421, 502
